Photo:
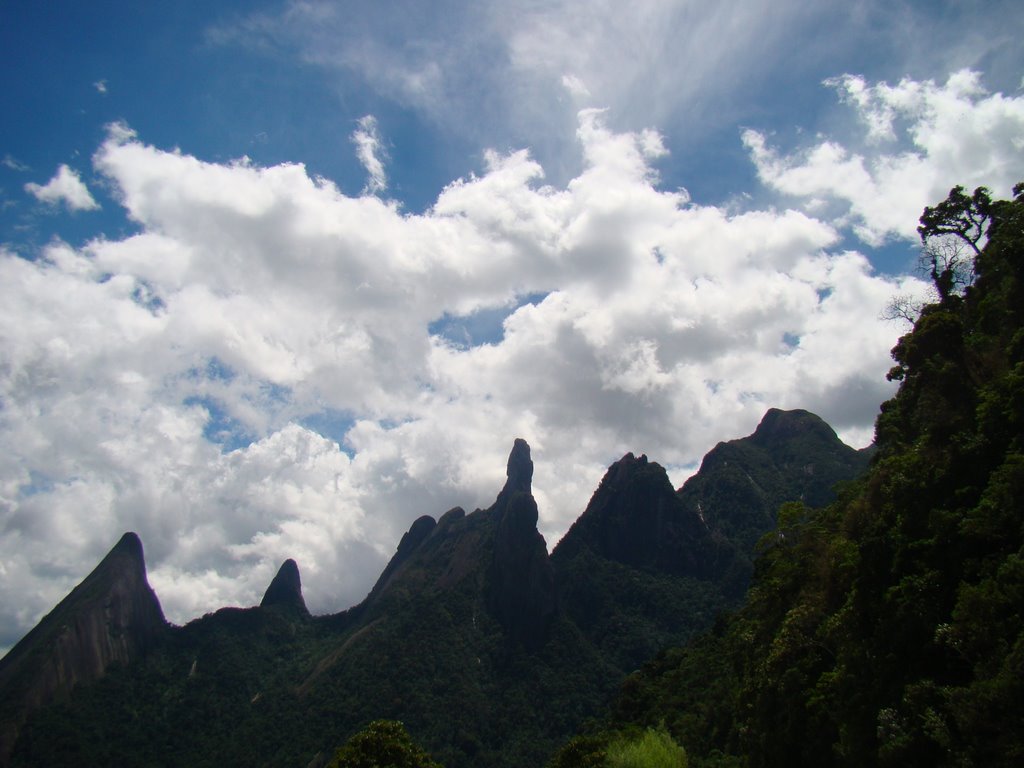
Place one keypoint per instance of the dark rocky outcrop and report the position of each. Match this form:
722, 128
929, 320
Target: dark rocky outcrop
285, 591
645, 565
411, 539
638, 570
521, 592
496, 554
112, 617
636, 518
518, 471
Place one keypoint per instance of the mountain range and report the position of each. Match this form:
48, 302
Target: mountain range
491, 650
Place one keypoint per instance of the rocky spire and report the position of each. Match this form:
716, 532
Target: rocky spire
522, 589
520, 468
285, 590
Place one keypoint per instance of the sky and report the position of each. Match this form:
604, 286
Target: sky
279, 277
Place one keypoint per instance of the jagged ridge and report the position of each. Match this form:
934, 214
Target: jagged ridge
467, 619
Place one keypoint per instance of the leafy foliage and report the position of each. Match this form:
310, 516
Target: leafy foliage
382, 744
632, 748
652, 749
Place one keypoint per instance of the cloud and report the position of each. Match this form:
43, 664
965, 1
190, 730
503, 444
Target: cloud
100, 86
67, 187
576, 87
168, 381
371, 154
497, 74
14, 164
921, 138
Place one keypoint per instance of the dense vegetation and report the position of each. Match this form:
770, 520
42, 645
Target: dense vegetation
886, 629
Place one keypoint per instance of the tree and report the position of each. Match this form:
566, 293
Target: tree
947, 229
966, 217
382, 744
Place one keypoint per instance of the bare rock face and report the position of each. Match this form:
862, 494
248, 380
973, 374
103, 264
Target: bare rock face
499, 550
521, 594
285, 591
112, 617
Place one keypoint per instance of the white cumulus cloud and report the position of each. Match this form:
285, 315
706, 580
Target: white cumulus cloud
65, 187
252, 375
922, 138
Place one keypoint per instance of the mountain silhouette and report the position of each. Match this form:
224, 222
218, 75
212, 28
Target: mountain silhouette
490, 650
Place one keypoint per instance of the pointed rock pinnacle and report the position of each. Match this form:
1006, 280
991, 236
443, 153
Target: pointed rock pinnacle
286, 589
520, 468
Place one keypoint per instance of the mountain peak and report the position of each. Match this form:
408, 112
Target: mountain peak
778, 425
520, 468
635, 518
285, 590
791, 456
130, 545
421, 528
112, 617
521, 594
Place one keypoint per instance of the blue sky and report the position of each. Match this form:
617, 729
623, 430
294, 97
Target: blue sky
280, 277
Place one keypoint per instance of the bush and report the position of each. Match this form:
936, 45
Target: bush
382, 744
652, 749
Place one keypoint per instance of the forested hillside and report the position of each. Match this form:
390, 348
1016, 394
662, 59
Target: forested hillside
886, 629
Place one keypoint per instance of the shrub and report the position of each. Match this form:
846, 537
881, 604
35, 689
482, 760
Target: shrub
652, 749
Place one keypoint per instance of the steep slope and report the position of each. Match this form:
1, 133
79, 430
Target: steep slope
888, 629
112, 617
791, 456
497, 554
639, 570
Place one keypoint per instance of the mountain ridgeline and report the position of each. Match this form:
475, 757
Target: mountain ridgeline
491, 651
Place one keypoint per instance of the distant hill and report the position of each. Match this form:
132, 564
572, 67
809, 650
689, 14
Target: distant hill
490, 651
